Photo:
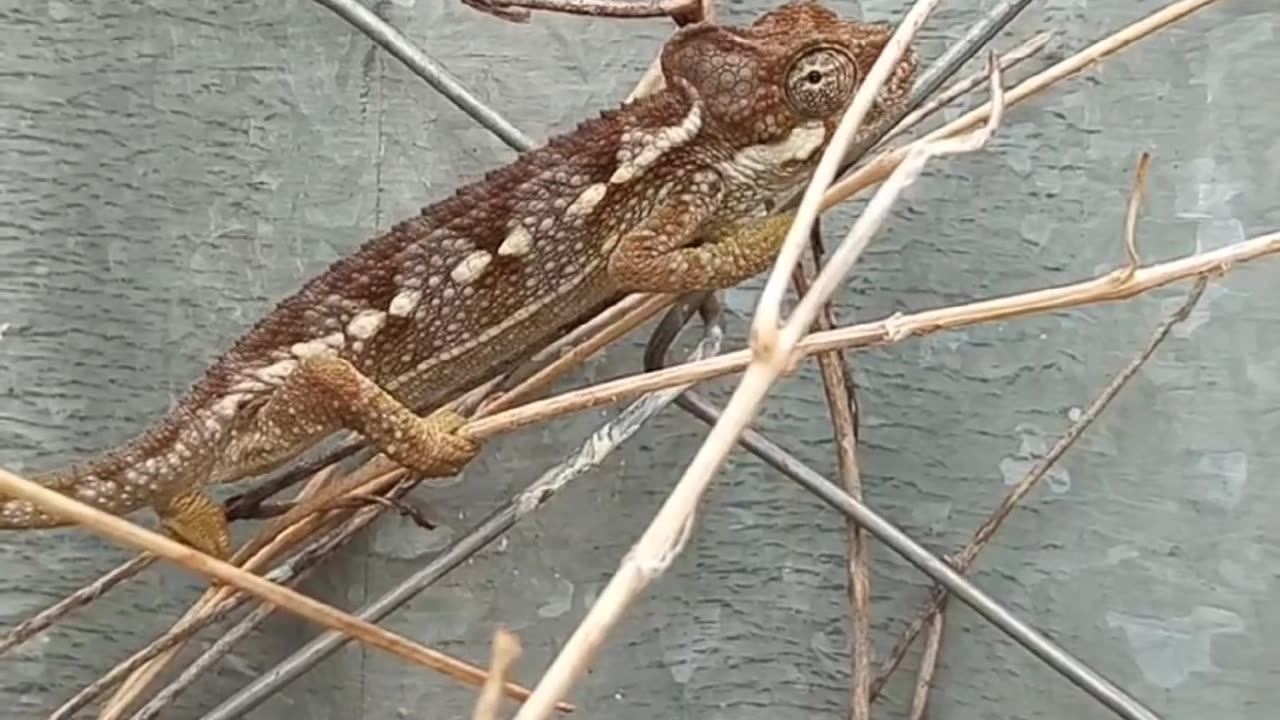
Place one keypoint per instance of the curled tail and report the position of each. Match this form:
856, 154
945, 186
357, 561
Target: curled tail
118, 481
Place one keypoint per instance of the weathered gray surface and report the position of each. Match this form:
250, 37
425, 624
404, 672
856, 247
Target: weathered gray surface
168, 170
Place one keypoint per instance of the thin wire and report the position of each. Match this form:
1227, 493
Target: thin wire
425, 67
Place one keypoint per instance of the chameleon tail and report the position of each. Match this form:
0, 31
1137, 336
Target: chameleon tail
119, 481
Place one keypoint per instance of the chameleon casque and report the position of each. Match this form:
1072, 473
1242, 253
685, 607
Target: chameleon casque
671, 193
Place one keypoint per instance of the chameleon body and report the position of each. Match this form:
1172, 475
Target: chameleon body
671, 193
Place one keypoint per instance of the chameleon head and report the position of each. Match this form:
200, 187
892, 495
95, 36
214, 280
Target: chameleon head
775, 91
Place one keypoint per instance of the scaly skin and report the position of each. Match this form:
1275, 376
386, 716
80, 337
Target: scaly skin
667, 194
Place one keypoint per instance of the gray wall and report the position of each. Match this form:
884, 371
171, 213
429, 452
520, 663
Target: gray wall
169, 170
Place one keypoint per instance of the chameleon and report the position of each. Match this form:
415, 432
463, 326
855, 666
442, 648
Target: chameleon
674, 192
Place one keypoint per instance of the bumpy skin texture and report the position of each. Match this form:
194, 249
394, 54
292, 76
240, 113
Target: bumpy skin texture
671, 193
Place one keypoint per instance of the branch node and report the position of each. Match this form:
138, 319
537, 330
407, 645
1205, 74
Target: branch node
1131, 218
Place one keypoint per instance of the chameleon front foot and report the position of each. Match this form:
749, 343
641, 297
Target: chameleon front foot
432, 445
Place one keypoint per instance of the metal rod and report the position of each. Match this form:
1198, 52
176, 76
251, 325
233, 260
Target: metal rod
428, 69
1106, 692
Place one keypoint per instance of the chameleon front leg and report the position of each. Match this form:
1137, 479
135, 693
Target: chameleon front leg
655, 257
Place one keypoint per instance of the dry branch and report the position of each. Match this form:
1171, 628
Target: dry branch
506, 650
1009, 59
1110, 287
963, 561
842, 405
928, 667
519, 10
127, 533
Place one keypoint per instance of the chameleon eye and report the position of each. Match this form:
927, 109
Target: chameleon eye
820, 82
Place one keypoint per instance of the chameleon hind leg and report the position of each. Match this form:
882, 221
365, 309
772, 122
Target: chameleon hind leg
322, 395
327, 393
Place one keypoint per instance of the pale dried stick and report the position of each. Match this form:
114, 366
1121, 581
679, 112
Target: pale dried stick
896, 328
1131, 215
963, 561
879, 168
506, 650
928, 667
836, 377
672, 524
127, 533
291, 571
773, 351
842, 404
602, 322
961, 87
138, 681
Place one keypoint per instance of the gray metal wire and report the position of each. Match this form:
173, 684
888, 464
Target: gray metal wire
425, 67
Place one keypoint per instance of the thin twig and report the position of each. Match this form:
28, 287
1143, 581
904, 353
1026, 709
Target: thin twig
519, 10
1025, 50
127, 533
975, 39
1131, 214
574, 357
896, 328
928, 667
963, 561
506, 650
840, 391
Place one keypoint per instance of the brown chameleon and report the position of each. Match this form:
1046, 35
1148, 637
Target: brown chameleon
671, 193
